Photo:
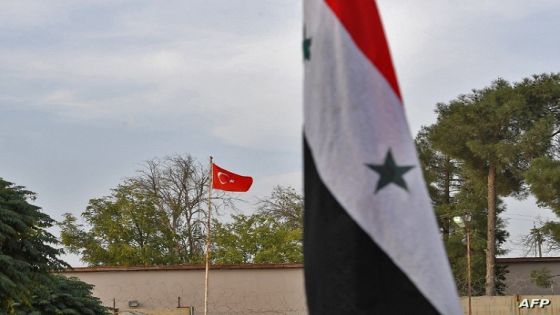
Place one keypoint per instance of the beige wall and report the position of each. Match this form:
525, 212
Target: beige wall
267, 289
509, 305
518, 280
235, 291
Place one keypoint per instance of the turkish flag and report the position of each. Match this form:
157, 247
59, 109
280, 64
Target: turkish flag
225, 180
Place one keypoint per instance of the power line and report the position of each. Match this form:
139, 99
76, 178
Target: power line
522, 215
521, 219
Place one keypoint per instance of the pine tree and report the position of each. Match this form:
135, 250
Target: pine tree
454, 193
495, 133
27, 258
57, 294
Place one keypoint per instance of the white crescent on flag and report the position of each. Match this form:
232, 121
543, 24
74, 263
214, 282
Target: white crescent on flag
224, 178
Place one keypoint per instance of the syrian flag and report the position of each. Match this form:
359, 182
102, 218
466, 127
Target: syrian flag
371, 239
225, 180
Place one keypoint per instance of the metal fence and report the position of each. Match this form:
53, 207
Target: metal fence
161, 311
513, 305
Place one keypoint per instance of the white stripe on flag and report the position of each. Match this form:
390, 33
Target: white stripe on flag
353, 117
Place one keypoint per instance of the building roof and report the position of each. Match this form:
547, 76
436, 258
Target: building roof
180, 267
517, 260
500, 261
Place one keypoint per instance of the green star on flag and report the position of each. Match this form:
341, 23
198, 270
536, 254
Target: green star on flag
390, 172
306, 46
359, 194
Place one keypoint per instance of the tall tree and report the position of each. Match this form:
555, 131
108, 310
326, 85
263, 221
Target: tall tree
26, 248
470, 199
496, 132
155, 217
27, 258
543, 178
442, 173
124, 231
284, 204
178, 185
454, 193
535, 240
543, 92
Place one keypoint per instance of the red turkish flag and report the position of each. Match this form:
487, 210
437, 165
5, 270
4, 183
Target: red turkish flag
225, 180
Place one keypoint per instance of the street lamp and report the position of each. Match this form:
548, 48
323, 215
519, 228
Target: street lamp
464, 222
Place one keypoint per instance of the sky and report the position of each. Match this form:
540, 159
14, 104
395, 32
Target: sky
91, 90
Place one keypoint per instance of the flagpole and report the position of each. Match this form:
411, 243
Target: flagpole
207, 258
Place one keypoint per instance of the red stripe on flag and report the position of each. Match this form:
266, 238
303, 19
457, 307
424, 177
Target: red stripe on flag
361, 20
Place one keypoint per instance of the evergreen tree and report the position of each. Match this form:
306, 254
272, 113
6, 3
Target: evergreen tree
58, 295
495, 133
26, 250
27, 258
543, 176
544, 180
454, 193
442, 173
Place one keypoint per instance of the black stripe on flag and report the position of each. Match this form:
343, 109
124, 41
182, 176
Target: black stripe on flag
345, 271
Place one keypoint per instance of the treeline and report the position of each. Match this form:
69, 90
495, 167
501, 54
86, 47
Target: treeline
159, 216
495, 142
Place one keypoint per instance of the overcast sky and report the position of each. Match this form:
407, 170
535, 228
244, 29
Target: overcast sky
90, 90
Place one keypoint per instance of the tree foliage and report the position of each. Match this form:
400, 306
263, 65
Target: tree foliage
272, 235
158, 216
27, 257
443, 175
542, 277
285, 205
26, 250
544, 179
257, 238
543, 175
495, 134
455, 193
155, 217
58, 295
124, 231
542, 238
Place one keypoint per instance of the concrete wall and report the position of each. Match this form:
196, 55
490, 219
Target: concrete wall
518, 280
273, 289
509, 305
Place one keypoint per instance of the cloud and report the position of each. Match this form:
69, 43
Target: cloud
25, 14
183, 67
94, 87
262, 187
442, 49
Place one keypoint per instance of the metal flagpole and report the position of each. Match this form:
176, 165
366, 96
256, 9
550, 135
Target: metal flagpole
207, 258
469, 280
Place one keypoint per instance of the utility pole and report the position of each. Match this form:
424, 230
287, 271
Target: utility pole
465, 222
539, 239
